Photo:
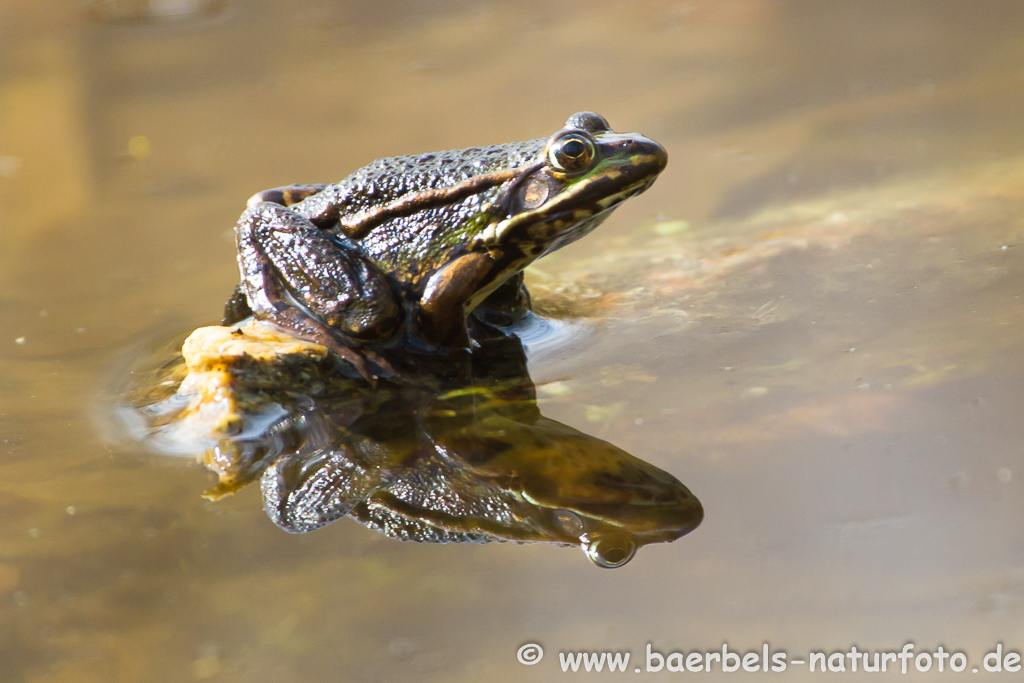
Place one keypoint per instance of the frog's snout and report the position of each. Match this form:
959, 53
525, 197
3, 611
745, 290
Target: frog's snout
648, 156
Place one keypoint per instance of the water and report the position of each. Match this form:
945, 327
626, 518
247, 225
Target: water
812, 319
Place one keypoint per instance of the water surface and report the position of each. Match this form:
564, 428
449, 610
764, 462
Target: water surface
812, 319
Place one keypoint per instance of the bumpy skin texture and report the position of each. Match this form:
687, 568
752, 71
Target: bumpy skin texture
472, 466
351, 295
397, 255
410, 246
342, 281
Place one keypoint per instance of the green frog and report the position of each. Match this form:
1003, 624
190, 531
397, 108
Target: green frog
408, 252
479, 475
476, 462
470, 459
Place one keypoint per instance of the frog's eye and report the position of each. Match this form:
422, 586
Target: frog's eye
571, 152
569, 522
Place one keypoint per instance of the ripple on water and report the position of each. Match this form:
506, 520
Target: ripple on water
545, 338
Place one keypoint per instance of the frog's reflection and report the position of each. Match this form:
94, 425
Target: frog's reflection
470, 459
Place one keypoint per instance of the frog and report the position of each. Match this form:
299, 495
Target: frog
481, 478
471, 459
410, 252
473, 463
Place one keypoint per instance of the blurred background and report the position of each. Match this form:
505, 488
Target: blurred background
813, 319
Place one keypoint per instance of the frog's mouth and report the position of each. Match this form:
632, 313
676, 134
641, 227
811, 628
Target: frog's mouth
555, 224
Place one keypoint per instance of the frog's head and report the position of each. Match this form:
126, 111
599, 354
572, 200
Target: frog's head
567, 187
584, 172
571, 488
603, 499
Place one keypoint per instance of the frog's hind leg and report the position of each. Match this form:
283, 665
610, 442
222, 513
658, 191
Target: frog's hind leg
236, 308
296, 277
272, 303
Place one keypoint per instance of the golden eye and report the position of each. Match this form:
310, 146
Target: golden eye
571, 153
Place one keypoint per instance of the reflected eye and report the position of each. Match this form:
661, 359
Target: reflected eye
571, 152
569, 522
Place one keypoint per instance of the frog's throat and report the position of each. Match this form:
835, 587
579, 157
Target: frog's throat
360, 224
571, 202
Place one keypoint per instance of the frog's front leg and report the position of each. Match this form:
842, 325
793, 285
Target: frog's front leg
295, 276
441, 318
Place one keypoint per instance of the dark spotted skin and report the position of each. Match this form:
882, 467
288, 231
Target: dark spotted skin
485, 465
397, 255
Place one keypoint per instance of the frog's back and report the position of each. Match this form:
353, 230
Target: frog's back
406, 246
390, 178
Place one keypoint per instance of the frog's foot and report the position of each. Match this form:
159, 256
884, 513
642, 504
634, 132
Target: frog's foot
295, 321
285, 196
237, 309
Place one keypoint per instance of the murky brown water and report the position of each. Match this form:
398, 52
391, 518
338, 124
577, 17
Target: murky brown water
812, 319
